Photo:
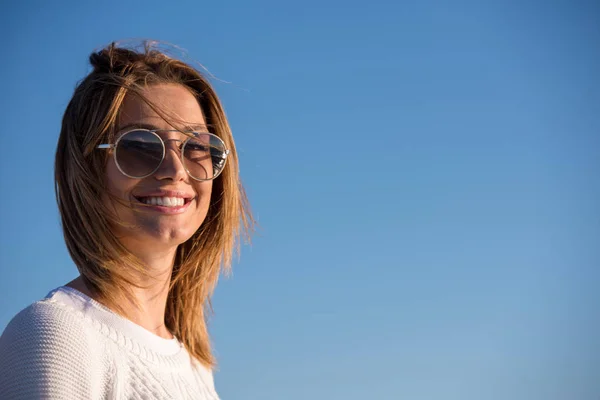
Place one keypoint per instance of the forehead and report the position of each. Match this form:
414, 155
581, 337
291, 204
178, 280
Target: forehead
163, 106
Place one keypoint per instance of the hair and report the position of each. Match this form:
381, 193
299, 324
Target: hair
91, 119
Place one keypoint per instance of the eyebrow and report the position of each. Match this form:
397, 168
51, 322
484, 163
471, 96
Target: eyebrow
151, 127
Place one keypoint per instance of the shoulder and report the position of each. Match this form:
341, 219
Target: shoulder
45, 326
48, 350
205, 374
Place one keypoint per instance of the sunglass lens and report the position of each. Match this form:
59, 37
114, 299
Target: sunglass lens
139, 153
204, 156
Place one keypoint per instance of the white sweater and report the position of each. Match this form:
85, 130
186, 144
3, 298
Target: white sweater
68, 346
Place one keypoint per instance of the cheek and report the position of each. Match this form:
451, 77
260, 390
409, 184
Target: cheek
204, 191
117, 184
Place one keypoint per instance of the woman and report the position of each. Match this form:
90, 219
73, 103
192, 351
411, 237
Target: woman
151, 205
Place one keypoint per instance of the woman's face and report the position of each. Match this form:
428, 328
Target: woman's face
155, 222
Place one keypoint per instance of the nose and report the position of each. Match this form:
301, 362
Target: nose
171, 167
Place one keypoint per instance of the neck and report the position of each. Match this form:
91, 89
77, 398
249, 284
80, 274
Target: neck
150, 296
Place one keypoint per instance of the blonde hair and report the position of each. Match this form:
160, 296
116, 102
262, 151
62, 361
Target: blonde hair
90, 119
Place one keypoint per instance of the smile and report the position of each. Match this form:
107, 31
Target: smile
165, 204
163, 201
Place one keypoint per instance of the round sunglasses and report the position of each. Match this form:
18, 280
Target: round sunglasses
140, 152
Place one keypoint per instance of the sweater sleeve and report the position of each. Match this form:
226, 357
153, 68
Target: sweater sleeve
46, 353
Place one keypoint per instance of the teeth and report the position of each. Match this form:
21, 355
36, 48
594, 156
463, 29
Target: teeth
163, 201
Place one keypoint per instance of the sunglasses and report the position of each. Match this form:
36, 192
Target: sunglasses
140, 152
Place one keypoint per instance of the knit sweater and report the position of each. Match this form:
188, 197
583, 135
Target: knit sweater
68, 346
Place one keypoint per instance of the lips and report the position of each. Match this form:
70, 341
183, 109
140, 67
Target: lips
165, 198
163, 201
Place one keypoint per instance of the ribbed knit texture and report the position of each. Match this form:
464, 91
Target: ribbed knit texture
68, 346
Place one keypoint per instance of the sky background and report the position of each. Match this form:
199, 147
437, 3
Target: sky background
425, 175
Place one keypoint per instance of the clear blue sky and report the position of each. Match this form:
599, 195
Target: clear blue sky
425, 174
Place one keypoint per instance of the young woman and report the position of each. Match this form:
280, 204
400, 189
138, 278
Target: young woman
152, 207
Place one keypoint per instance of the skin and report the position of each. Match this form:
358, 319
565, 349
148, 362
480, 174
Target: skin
154, 236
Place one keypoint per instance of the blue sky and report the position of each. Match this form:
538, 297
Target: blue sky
425, 176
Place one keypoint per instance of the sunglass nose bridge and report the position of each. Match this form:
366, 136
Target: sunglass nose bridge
178, 143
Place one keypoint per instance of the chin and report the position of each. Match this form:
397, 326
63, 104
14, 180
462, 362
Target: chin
151, 232
171, 236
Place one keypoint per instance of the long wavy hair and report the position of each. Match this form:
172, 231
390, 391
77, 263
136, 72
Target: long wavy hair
105, 265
